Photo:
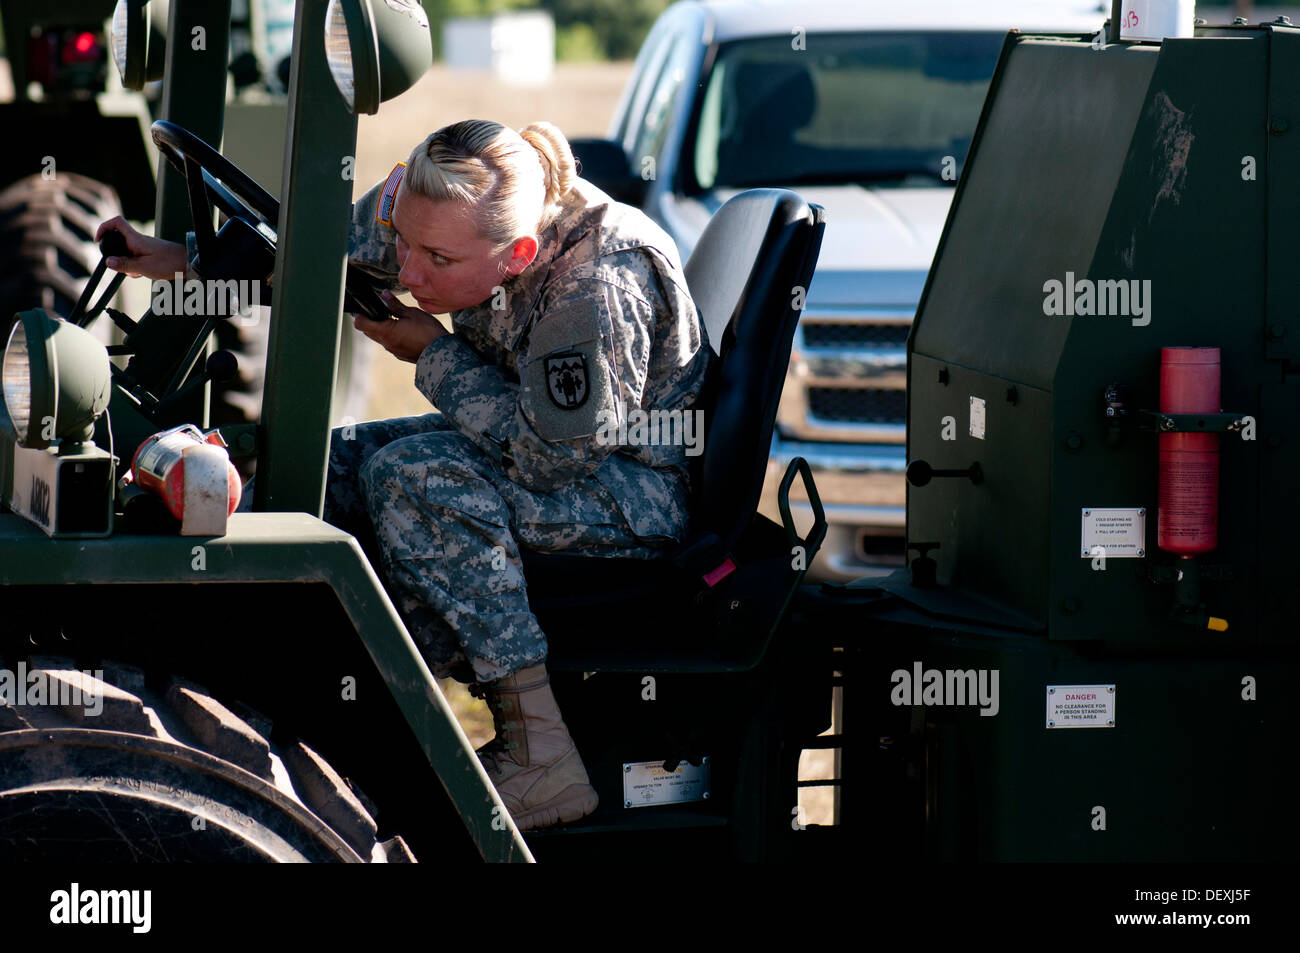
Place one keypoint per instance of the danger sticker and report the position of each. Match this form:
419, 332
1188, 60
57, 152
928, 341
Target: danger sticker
1080, 706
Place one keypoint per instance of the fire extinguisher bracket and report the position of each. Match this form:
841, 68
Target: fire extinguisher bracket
1159, 422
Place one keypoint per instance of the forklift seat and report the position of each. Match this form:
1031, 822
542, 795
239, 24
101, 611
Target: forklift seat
748, 274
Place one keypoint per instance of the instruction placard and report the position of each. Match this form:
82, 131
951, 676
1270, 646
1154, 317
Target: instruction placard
1080, 706
646, 783
1118, 532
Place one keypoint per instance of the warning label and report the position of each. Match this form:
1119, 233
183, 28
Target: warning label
1080, 706
1118, 532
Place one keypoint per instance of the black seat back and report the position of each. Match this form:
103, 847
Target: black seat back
749, 275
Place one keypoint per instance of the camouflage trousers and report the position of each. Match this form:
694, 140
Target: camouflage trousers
447, 526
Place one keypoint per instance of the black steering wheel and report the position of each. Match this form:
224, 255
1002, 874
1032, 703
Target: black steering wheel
211, 178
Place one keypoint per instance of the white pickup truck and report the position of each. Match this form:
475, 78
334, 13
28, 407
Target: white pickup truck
866, 108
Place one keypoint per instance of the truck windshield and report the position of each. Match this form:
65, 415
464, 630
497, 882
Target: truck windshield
876, 108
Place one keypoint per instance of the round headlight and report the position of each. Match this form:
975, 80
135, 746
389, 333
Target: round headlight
17, 381
130, 41
376, 49
56, 380
338, 52
117, 36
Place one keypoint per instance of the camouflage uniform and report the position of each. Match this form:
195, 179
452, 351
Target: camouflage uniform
533, 396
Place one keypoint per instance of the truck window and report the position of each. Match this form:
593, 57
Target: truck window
867, 107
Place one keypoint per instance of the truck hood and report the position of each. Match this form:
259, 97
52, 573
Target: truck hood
890, 233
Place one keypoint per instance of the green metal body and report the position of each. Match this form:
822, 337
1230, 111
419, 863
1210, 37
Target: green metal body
1123, 163
47, 585
314, 212
192, 86
301, 596
1134, 172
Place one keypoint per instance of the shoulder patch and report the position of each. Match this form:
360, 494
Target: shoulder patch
388, 197
566, 379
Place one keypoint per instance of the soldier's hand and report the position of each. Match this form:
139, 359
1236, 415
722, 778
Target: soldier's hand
407, 334
152, 257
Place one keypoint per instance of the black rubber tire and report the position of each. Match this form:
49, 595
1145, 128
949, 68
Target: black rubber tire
166, 776
47, 251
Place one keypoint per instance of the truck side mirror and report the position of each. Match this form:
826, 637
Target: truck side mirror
604, 164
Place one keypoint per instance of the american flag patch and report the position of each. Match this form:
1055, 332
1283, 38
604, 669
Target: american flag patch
384, 210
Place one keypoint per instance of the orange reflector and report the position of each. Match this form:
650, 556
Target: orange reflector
1217, 625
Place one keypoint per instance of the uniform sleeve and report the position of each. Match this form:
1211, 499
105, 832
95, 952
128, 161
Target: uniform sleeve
582, 365
372, 245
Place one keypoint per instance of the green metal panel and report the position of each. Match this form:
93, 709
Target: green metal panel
1279, 463
968, 521
1026, 175
981, 315
314, 209
1125, 164
1189, 772
194, 97
1184, 219
264, 547
1282, 145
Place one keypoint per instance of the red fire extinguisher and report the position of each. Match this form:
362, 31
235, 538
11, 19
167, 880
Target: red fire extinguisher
1189, 462
159, 466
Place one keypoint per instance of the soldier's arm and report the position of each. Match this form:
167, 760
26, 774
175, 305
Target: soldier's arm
584, 362
372, 245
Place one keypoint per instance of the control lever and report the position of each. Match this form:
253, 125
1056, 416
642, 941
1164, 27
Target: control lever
361, 296
924, 568
919, 473
112, 244
221, 367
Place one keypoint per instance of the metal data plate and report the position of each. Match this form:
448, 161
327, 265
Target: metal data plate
978, 416
646, 783
1080, 706
1120, 532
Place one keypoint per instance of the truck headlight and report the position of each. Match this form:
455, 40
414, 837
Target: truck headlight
376, 51
56, 380
130, 41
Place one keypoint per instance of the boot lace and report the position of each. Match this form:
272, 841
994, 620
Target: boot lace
499, 706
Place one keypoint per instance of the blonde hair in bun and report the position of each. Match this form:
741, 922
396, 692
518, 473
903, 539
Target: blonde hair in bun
515, 181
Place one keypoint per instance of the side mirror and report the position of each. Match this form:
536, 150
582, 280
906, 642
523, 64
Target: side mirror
604, 164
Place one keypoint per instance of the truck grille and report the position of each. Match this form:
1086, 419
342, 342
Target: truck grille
848, 371
855, 335
860, 405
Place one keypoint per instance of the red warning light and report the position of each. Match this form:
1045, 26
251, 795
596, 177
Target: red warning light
85, 42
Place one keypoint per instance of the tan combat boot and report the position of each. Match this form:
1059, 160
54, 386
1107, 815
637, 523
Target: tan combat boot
532, 761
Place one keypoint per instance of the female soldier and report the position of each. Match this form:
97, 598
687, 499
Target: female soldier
569, 311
